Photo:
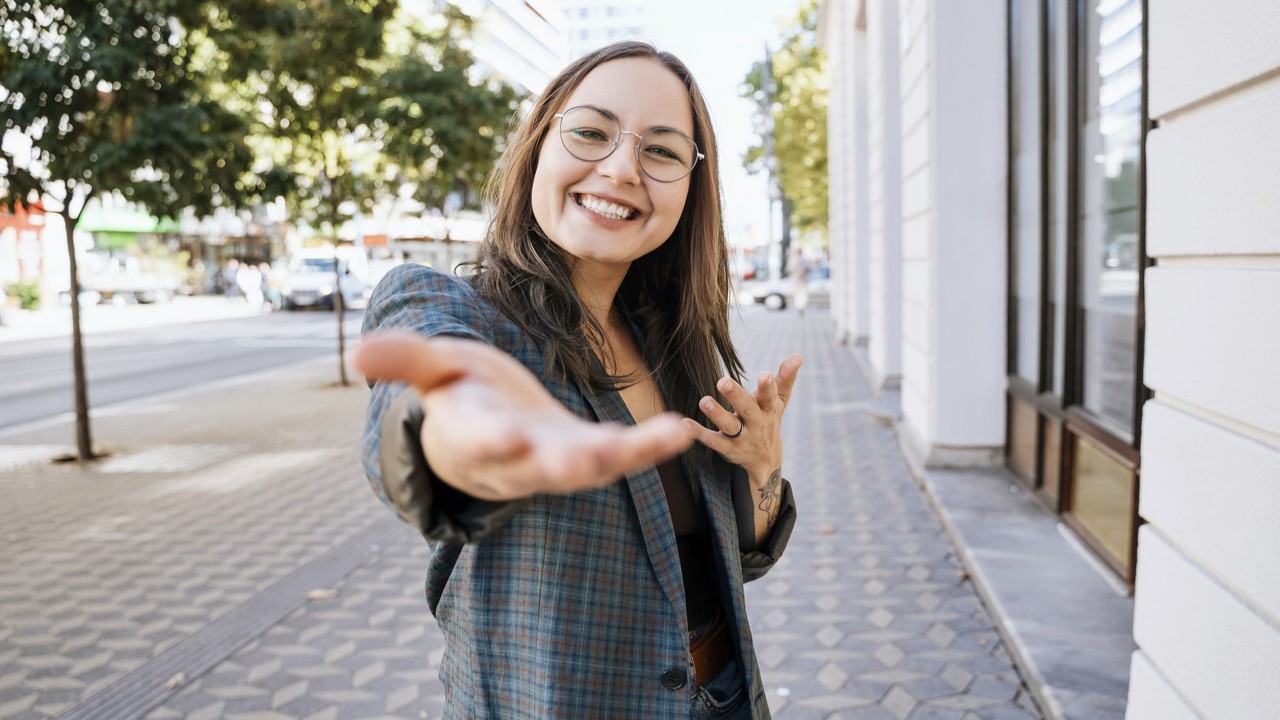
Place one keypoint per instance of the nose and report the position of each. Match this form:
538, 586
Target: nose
623, 164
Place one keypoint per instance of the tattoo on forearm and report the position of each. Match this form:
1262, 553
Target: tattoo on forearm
771, 496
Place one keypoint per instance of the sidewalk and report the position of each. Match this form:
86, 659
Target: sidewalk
229, 562
55, 320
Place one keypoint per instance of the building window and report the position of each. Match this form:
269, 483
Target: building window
1026, 175
1076, 135
1110, 151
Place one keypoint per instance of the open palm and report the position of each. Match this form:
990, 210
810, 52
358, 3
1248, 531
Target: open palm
493, 430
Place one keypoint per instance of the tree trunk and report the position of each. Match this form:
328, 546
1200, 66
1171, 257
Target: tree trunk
84, 442
339, 308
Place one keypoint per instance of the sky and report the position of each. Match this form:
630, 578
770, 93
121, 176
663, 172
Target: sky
719, 41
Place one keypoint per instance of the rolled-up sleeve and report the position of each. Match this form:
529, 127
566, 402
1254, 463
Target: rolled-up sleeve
759, 558
437, 509
433, 304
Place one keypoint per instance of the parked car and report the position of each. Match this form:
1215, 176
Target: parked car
777, 294
122, 278
312, 280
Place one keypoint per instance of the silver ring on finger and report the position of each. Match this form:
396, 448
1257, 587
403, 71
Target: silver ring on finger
741, 426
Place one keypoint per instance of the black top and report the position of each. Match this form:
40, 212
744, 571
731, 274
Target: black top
693, 540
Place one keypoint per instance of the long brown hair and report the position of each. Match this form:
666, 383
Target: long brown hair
678, 294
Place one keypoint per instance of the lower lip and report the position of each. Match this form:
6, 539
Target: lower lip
598, 218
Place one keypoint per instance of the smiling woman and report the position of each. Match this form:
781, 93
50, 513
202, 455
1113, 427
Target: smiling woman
566, 424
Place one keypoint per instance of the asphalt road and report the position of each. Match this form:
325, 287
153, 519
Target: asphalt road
36, 378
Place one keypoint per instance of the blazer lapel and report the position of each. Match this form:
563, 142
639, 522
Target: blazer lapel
651, 506
718, 499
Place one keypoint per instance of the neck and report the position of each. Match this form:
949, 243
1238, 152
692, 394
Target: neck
597, 286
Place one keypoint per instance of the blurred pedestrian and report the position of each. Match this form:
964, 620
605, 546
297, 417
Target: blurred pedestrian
589, 545
798, 270
265, 287
249, 280
231, 279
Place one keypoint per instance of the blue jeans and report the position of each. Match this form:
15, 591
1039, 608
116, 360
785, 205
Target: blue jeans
724, 697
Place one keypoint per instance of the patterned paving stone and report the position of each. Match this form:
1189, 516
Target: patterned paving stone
387, 671
186, 521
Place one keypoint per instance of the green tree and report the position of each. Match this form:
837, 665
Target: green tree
310, 85
112, 96
790, 93
352, 101
442, 125
308, 82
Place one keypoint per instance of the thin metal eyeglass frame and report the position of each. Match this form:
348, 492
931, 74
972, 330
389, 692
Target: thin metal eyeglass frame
639, 140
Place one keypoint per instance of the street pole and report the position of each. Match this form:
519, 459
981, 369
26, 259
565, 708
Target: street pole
338, 308
769, 159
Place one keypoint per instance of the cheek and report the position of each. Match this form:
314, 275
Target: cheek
674, 203
544, 192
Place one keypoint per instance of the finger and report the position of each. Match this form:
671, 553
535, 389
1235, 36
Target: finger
404, 356
743, 402
766, 392
728, 423
655, 440
712, 439
787, 373
602, 454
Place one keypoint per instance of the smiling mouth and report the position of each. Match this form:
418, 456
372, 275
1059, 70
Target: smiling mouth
602, 207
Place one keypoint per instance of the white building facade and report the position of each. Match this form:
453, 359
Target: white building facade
523, 43
596, 23
1055, 233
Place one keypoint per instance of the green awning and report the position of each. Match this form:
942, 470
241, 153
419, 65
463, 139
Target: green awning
116, 220
111, 240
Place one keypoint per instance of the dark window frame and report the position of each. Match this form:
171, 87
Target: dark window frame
1077, 424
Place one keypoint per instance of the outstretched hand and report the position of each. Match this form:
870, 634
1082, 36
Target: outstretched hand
493, 431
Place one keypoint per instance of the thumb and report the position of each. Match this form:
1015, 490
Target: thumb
406, 356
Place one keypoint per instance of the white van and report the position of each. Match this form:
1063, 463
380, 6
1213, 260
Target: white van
312, 279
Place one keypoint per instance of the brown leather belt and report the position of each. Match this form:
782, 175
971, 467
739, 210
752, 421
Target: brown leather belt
712, 650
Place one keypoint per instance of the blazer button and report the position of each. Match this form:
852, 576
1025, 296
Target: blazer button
673, 679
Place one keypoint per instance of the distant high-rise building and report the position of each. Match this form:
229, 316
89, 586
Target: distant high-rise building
521, 41
594, 23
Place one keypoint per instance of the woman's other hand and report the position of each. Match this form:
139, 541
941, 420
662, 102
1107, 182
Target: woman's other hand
751, 435
493, 431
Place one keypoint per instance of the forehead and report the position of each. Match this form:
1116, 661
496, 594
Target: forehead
641, 92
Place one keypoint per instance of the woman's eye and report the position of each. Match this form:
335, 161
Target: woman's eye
661, 153
589, 134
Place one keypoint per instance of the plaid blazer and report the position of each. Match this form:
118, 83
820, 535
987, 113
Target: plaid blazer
555, 606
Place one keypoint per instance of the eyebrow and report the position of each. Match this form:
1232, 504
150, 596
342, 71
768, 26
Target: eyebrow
614, 117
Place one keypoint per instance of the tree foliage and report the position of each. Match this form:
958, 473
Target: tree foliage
307, 83
791, 118
442, 126
350, 101
107, 96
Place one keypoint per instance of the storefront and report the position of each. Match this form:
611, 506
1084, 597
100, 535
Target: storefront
22, 256
1077, 127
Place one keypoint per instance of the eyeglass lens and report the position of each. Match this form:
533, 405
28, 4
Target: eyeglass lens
665, 154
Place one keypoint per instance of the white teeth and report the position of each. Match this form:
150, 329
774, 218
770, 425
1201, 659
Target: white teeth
605, 208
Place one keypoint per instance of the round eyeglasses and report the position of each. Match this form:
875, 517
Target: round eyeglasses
665, 154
